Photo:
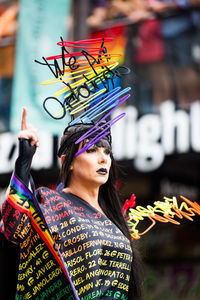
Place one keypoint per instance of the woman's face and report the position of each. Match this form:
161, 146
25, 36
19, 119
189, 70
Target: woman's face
91, 167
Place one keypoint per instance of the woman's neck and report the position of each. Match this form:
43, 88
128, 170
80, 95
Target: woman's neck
88, 194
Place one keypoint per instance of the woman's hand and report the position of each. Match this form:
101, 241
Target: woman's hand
28, 132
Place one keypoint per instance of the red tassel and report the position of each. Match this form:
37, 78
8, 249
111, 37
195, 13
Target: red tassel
129, 203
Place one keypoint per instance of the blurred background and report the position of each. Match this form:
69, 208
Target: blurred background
157, 145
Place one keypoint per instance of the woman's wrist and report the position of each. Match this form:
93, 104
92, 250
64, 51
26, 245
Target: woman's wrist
24, 160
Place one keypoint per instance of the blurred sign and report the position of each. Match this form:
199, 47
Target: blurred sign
41, 24
145, 140
148, 139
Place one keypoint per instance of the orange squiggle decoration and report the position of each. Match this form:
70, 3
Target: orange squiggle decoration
163, 211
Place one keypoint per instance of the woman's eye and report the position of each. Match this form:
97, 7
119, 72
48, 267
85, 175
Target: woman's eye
90, 150
107, 151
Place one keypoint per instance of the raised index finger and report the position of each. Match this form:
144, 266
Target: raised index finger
24, 119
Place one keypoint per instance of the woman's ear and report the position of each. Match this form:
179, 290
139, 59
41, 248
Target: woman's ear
71, 167
62, 158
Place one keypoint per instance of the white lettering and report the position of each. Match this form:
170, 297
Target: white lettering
148, 139
145, 140
175, 129
150, 153
195, 126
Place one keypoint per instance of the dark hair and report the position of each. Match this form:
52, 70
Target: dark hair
112, 207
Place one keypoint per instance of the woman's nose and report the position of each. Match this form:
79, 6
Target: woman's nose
102, 156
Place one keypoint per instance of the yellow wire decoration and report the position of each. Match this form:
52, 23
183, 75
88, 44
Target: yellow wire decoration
162, 211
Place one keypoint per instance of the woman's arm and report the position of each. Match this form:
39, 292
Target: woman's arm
15, 210
28, 142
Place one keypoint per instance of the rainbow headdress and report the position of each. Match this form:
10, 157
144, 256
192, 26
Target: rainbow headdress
90, 92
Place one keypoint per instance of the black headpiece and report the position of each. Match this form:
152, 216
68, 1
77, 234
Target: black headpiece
73, 133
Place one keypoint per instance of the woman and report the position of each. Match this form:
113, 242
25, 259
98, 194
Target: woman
74, 243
